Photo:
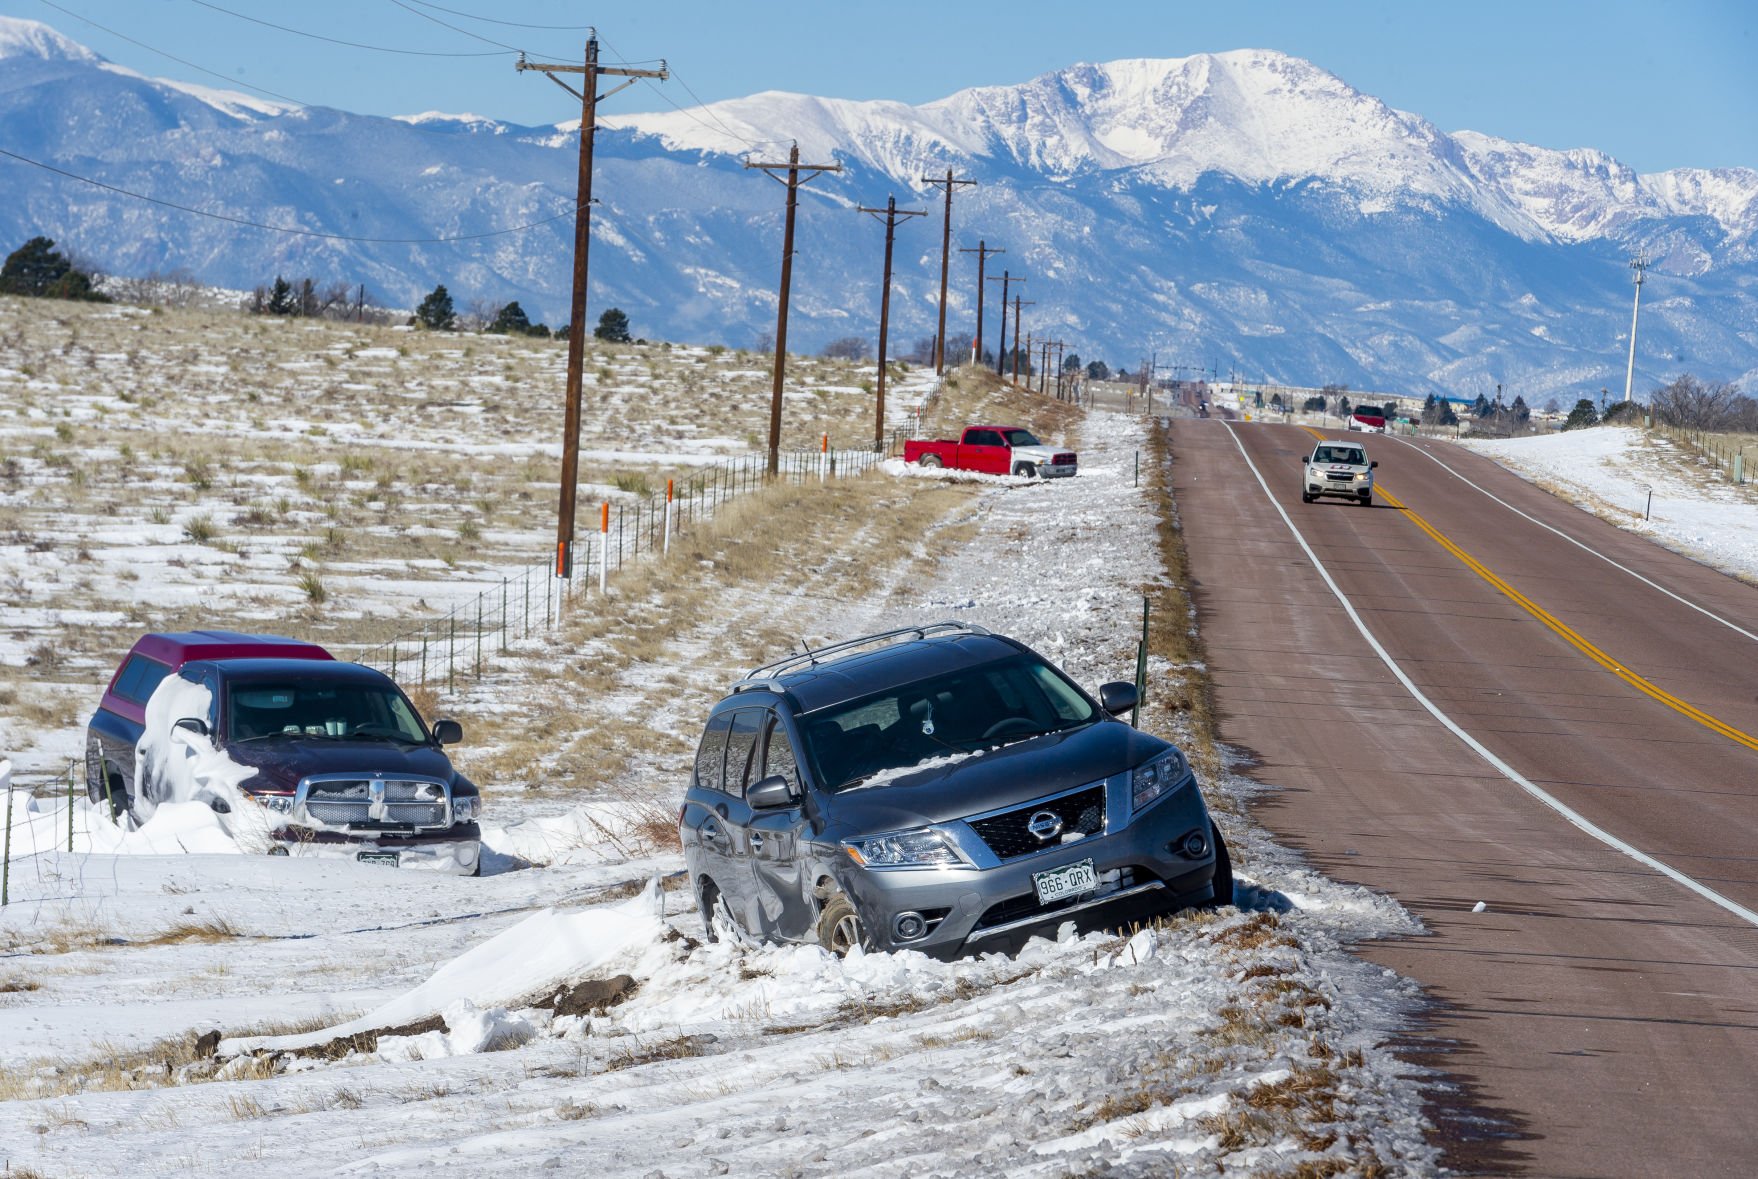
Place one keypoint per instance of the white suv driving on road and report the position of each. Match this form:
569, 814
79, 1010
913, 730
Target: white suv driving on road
1337, 468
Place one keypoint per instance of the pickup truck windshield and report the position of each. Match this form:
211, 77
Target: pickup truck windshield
994, 704
355, 712
1022, 438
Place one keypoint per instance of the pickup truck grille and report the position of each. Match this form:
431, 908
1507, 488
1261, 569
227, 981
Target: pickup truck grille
1082, 812
1062, 460
377, 802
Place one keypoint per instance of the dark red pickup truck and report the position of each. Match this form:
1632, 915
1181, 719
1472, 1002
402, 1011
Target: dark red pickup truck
994, 450
297, 752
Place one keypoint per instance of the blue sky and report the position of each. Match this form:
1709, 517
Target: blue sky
1658, 85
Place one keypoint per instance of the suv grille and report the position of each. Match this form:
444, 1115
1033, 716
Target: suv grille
349, 803
1082, 812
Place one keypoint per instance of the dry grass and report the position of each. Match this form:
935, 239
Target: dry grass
1173, 635
675, 1048
214, 929
175, 1060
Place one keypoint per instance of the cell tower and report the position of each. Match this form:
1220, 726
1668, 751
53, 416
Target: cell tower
1638, 265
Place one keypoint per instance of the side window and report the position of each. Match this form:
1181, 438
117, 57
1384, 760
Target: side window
985, 438
741, 743
778, 755
712, 752
139, 677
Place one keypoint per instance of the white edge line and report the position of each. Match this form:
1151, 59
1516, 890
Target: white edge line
1476, 746
1578, 544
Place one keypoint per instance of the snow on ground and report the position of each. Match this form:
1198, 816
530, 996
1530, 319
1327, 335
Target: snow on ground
1243, 1043
1610, 470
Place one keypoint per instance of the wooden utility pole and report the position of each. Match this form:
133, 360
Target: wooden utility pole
982, 252
949, 183
1001, 348
1017, 304
891, 213
793, 167
589, 99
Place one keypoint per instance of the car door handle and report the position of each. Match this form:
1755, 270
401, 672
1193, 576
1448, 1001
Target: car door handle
756, 841
720, 809
711, 830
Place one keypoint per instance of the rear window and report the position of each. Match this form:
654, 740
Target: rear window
139, 677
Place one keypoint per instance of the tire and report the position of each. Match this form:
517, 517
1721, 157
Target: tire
930, 461
840, 928
1025, 470
1367, 500
709, 902
1223, 872
1306, 499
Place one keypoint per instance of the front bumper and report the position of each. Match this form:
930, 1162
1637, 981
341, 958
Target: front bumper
456, 850
1351, 490
1141, 868
1065, 471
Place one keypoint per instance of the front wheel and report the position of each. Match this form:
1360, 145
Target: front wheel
1025, 470
929, 460
1367, 499
1305, 498
839, 926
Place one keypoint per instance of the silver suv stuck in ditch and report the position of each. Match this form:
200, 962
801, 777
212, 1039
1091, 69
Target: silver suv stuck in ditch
943, 789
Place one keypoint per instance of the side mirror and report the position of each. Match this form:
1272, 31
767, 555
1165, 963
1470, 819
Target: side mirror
185, 732
1118, 698
447, 732
770, 793
219, 806
1375, 463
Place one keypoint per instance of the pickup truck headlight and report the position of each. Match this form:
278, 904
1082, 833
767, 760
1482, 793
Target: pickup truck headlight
922, 848
280, 804
465, 808
1157, 778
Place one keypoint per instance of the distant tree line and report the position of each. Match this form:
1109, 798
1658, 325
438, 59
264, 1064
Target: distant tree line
1690, 404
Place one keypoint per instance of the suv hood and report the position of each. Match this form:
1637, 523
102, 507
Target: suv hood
1011, 776
285, 761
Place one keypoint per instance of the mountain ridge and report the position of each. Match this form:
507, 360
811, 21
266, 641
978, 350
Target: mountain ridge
1248, 205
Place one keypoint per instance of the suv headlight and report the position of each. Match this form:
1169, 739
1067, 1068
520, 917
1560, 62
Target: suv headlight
465, 808
924, 847
1157, 778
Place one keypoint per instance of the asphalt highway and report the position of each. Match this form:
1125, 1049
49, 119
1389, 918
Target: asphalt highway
1560, 722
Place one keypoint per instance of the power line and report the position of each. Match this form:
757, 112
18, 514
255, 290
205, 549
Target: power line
350, 44
721, 125
288, 229
467, 33
510, 23
230, 81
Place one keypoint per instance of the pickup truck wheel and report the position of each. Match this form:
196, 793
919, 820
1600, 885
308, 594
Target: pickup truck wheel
1025, 470
839, 926
1223, 872
928, 460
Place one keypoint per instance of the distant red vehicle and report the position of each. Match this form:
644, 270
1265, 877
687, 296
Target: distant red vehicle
1367, 423
995, 450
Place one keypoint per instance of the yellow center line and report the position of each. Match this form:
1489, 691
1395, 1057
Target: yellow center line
1562, 629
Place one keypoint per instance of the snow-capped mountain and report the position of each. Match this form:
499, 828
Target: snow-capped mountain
1243, 210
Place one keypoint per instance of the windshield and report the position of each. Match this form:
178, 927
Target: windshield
974, 708
1338, 454
1022, 438
313, 708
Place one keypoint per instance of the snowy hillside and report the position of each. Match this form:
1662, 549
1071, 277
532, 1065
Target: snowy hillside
1244, 209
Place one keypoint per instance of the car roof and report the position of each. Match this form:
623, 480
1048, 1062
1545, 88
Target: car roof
837, 681
179, 647
329, 670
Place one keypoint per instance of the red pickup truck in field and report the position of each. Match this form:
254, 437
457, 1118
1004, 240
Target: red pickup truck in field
994, 450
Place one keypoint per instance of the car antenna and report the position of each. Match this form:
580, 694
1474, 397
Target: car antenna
807, 648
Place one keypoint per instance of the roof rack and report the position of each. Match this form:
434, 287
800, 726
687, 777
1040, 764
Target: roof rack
767, 676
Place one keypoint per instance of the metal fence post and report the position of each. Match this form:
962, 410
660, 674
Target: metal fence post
506, 623
1141, 664
6, 855
70, 769
424, 657
452, 652
479, 634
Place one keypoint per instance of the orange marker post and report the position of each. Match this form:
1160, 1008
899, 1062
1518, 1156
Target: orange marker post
603, 546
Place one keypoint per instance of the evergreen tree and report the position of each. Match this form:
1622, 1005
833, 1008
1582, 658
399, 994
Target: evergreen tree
512, 321
281, 297
1098, 370
1521, 413
1582, 415
1342, 406
1481, 408
39, 270
436, 312
1071, 363
613, 327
